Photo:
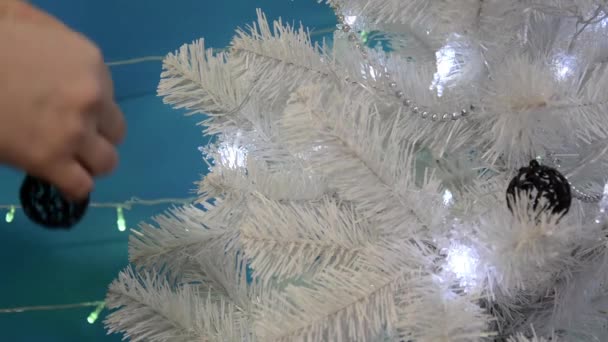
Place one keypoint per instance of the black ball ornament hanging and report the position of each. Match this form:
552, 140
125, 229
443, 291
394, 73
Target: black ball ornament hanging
44, 204
540, 182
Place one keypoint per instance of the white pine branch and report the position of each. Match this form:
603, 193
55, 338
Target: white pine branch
291, 182
200, 80
529, 111
278, 58
426, 15
225, 265
517, 121
285, 240
340, 306
581, 302
363, 158
522, 338
169, 247
429, 310
148, 310
585, 107
527, 250
502, 25
414, 80
204, 82
370, 77
351, 302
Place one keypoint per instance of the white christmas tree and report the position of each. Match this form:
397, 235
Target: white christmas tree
370, 189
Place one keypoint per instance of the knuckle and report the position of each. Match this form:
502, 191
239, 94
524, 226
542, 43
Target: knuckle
40, 159
109, 162
95, 53
89, 92
75, 131
89, 50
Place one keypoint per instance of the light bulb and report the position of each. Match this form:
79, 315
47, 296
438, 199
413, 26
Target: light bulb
120, 220
10, 215
364, 36
93, 316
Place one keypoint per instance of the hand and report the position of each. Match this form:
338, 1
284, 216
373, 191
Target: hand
58, 117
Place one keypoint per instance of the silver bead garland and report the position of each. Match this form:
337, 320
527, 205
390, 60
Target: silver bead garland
399, 94
576, 192
424, 114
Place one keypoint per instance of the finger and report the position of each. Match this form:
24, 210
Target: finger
97, 155
72, 179
111, 122
110, 119
22, 11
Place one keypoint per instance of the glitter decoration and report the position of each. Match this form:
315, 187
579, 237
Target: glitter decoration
44, 204
543, 185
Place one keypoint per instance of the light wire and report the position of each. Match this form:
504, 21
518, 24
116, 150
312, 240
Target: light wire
135, 60
161, 58
22, 309
134, 201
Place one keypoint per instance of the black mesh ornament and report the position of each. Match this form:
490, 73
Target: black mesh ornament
46, 206
541, 182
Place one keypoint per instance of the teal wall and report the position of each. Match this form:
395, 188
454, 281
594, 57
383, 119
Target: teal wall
158, 159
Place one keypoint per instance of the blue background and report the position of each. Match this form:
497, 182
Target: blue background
158, 159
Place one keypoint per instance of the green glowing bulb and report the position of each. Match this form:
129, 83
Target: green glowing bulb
120, 221
10, 216
93, 316
364, 36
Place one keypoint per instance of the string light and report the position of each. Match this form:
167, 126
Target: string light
120, 220
93, 316
10, 215
135, 61
364, 36
22, 309
139, 60
120, 207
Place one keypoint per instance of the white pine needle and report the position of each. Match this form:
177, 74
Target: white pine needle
149, 310
289, 239
429, 310
200, 81
169, 247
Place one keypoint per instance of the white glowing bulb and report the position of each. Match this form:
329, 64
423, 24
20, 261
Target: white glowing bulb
365, 68
233, 156
604, 202
563, 66
350, 19
448, 198
372, 72
563, 71
463, 261
446, 65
